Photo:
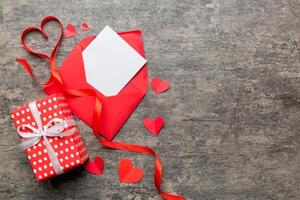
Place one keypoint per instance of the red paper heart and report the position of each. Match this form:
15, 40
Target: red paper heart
159, 85
154, 125
95, 166
128, 173
84, 26
71, 31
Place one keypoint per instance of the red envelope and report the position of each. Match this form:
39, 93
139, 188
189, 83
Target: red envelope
115, 109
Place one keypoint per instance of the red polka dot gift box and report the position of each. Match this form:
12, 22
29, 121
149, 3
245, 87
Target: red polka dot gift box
49, 136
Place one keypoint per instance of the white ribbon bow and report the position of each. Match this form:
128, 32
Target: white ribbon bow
31, 139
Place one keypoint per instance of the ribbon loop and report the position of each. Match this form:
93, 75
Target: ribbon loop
49, 130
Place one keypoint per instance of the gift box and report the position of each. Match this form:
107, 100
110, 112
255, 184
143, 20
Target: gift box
49, 136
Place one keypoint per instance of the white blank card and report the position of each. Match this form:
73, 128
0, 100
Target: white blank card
110, 62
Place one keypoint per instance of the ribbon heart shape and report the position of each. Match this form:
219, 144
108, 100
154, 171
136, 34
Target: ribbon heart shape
49, 130
54, 71
42, 31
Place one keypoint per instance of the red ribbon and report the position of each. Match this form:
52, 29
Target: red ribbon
55, 78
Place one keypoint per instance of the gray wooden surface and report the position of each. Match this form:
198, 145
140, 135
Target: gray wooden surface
232, 113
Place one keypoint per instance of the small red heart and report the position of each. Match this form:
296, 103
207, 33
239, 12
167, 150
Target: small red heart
71, 31
128, 173
95, 166
159, 86
84, 26
154, 125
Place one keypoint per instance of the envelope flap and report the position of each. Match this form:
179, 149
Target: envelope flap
72, 71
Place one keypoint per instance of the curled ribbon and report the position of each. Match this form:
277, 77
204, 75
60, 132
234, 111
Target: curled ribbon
36, 134
56, 79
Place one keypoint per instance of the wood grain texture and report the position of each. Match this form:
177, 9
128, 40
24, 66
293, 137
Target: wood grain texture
232, 113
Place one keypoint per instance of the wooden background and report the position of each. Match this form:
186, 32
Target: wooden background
232, 113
